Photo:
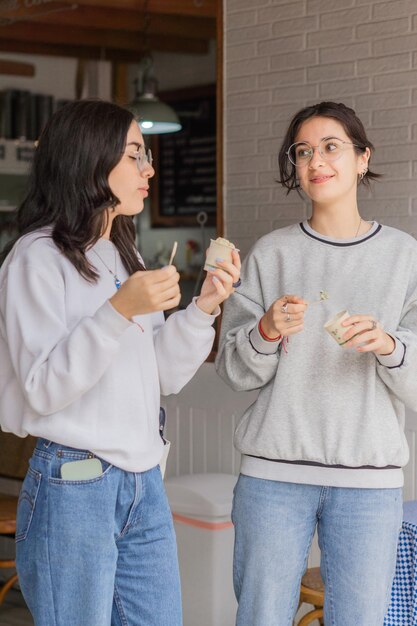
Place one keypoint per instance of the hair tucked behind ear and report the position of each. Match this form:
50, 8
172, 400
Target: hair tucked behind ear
68, 187
338, 111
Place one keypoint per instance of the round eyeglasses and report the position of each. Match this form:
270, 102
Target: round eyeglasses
330, 149
143, 158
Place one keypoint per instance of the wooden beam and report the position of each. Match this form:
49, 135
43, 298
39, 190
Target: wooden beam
104, 39
199, 8
194, 8
207, 8
127, 20
14, 68
84, 52
11, 12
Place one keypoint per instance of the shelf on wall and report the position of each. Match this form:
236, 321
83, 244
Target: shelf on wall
15, 156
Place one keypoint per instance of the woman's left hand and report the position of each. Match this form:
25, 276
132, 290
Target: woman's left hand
367, 335
218, 284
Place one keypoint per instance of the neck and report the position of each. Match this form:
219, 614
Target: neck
336, 223
110, 217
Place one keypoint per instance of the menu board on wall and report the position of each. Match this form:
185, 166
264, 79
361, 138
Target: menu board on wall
185, 161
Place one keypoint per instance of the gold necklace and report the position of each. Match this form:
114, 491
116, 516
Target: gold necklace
359, 226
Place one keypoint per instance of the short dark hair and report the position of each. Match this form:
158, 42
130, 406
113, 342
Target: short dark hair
338, 111
68, 186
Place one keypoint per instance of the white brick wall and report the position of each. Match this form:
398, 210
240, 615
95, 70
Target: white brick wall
281, 56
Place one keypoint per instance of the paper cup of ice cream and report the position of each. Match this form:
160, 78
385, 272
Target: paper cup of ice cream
220, 248
335, 329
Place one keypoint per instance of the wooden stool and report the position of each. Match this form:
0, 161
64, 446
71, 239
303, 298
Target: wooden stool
312, 592
8, 507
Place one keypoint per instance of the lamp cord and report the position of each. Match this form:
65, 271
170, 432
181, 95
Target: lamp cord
145, 32
201, 218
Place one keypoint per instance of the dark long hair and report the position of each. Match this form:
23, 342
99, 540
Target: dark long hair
338, 111
68, 187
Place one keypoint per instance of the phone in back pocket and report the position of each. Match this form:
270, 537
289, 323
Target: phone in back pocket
81, 470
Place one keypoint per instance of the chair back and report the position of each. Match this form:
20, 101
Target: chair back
15, 453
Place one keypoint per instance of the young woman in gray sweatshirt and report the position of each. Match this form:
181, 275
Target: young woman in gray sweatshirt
323, 445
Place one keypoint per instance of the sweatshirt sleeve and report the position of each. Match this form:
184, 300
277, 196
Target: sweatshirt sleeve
399, 370
54, 366
245, 360
182, 344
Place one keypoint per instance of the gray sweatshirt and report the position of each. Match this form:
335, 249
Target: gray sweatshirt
325, 414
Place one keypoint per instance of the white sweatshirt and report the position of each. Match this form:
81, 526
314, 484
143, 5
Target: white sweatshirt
75, 371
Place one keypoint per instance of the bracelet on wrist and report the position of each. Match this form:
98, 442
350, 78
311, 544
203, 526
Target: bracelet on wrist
265, 336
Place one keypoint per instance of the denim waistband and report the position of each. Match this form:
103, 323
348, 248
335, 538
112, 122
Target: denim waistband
50, 446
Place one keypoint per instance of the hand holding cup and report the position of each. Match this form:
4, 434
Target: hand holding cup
365, 334
219, 248
361, 332
220, 282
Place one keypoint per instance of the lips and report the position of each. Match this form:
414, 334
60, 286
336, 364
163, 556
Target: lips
321, 179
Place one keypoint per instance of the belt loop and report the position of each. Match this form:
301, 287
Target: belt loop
47, 443
162, 419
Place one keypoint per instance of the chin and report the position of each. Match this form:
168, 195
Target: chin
321, 195
133, 210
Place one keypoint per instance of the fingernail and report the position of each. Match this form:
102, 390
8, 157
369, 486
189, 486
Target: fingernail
218, 260
215, 279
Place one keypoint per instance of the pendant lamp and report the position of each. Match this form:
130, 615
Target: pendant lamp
154, 117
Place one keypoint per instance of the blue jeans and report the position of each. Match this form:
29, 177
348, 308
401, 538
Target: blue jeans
274, 526
96, 552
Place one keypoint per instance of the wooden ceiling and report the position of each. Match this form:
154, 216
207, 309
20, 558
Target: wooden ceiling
115, 30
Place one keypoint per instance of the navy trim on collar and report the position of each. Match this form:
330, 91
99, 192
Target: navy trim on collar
339, 243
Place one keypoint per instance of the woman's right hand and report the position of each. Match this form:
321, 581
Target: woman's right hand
284, 317
146, 292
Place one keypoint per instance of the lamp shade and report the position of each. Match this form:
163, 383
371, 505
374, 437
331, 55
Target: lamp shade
154, 117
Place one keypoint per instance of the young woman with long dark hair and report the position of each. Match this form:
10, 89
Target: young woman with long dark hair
85, 353
323, 445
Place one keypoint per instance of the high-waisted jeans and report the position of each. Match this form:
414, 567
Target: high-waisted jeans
97, 552
274, 524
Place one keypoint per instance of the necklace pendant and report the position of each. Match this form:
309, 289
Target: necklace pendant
117, 282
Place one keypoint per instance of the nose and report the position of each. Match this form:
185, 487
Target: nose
148, 171
316, 159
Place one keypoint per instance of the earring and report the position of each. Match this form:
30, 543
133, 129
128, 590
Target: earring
362, 174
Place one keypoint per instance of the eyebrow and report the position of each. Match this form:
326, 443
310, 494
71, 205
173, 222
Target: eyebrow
134, 143
322, 139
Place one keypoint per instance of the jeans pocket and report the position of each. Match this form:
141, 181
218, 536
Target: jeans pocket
65, 456
26, 503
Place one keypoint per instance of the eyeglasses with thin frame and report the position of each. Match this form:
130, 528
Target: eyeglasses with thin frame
143, 158
330, 150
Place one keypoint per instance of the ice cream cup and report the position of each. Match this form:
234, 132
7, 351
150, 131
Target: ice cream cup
219, 249
335, 329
